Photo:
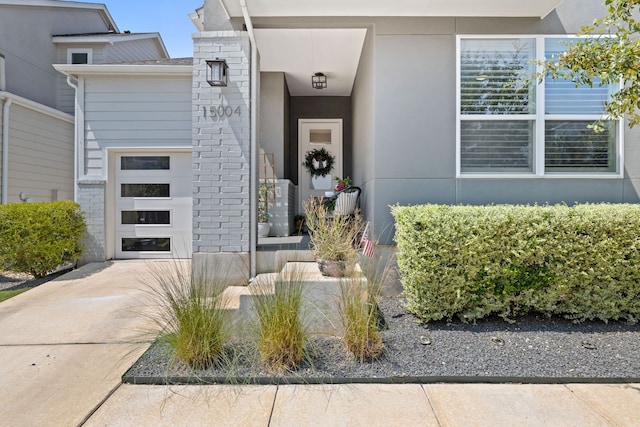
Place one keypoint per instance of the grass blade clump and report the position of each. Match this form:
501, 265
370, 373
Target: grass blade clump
281, 334
333, 237
192, 307
361, 318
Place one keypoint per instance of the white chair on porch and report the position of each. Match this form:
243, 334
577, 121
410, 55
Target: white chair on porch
346, 201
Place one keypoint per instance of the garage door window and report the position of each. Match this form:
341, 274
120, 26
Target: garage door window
147, 244
138, 163
145, 190
146, 217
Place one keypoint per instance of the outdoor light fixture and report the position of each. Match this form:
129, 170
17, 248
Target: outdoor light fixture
217, 72
319, 81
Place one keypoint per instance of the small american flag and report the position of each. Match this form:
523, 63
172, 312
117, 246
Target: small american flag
366, 243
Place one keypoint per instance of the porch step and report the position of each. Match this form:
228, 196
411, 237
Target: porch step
321, 297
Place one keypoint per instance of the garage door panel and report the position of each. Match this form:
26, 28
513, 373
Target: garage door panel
153, 205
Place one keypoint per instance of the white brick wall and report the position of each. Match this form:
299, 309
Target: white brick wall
91, 197
221, 168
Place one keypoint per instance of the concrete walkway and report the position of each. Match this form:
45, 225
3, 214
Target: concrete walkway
65, 345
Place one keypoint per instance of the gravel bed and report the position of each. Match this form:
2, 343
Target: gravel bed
534, 349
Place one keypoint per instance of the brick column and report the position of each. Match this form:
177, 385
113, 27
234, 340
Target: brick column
221, 148
91, 198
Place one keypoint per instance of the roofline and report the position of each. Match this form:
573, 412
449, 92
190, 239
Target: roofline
401, 8
36, 106
123, 69
112, 40
102, 8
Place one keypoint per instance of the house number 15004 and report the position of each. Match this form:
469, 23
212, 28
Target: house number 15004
220, 111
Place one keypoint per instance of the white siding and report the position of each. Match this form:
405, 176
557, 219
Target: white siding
133, 50
134, 112
40, 156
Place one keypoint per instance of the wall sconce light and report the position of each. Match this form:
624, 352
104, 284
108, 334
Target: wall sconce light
217, 72
319, 81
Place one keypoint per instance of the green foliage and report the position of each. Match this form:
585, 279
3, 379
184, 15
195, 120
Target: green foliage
36, 238
281, 333
611, 54
192, 314
469, 262
265, 198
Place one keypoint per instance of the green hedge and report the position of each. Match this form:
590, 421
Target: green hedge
38, 237
582, 262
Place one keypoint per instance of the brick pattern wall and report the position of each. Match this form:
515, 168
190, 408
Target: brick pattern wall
221, 156
91, 197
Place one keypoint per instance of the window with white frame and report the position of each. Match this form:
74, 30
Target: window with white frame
510, 125
79, 56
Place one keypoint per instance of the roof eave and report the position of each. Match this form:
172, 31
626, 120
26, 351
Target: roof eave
75, 70
398, 8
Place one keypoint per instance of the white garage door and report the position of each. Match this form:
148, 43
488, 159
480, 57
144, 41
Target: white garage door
153, 205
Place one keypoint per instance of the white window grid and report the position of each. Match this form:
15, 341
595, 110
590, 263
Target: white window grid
539, 119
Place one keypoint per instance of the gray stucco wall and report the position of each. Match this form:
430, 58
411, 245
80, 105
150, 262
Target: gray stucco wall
274, 118
415, 127
362, 101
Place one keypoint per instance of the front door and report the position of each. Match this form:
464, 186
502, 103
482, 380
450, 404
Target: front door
317, 134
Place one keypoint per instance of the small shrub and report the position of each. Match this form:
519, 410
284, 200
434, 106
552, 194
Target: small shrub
281, 334
335, 237
582, 262
192, 313
37, 238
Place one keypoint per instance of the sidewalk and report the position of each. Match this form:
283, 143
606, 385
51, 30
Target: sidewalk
65, 345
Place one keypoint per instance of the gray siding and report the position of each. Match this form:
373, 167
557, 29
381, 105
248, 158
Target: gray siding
66, 94
25, 41
132, 50
141, 112
40, 156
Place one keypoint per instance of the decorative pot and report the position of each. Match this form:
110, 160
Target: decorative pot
333, 268
263, 229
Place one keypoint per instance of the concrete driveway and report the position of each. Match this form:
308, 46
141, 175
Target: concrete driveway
65, 344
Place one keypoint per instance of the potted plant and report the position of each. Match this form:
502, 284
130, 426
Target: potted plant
319, 162
263, 211
299, 223
342, 183
334, 239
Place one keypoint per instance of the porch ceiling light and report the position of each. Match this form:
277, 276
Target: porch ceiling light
319, 81
217, 72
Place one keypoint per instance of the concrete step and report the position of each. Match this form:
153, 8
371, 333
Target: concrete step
321, 296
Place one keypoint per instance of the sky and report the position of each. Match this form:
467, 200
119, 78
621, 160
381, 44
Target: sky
168, 17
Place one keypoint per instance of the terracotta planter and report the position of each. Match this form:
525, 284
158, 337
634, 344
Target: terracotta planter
332, 268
